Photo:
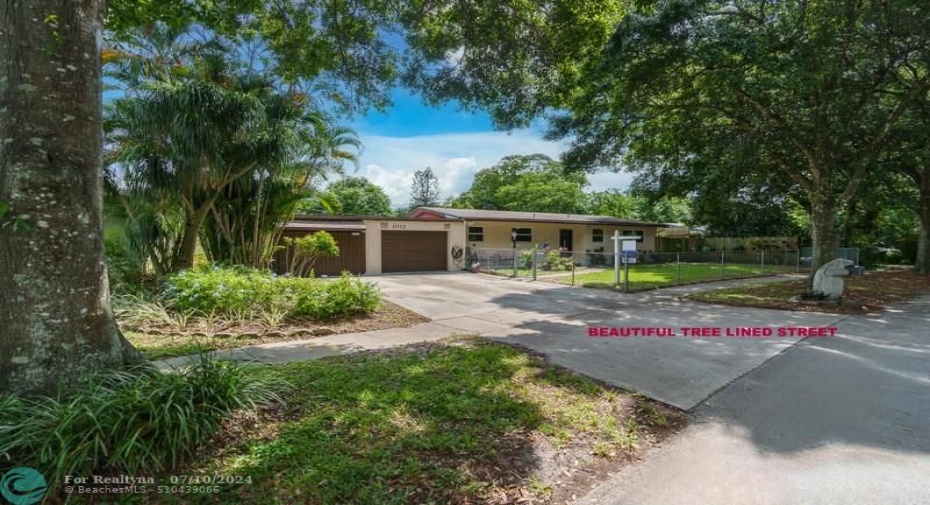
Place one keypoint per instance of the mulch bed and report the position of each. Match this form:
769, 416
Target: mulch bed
872, 292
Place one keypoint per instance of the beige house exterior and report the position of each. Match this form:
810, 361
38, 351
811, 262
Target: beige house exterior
375, 244
575, 232
375, 229
438, 239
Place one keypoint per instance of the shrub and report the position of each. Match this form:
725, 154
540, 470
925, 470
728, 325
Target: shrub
128, 422
220, 290
555, 261
307, 249
526, 258
239, 290
343, 296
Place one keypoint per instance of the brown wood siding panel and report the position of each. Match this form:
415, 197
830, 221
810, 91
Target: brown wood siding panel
413, 251
351, 255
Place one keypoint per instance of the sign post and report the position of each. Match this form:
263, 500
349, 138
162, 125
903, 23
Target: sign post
513, 237
616, 239
624, 253
629, 256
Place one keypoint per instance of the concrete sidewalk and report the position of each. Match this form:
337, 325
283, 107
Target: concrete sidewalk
322, 347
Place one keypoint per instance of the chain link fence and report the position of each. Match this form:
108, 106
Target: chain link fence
645, 271
849, 253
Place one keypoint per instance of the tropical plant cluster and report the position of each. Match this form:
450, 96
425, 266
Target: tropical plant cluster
233, 291
202, 149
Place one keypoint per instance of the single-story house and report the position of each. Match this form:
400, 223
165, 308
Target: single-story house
436, 239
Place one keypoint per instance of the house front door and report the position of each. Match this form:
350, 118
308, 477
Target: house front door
565, 240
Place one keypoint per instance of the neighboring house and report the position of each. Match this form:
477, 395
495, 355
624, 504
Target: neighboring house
679, 237
435, 239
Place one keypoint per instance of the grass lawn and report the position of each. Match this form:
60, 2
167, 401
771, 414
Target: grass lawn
463, 421
650, 276
161, 334
871, 292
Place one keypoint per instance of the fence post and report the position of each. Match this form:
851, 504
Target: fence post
678, 268
626, 276
797, 266
573, 272
722, 266
515, 261
535, 252
762, 265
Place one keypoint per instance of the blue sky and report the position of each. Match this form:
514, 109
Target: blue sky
411, 136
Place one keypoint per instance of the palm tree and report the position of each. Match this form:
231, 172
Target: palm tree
246, 224
224, 146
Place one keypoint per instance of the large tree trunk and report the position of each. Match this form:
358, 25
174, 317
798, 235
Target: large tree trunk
55, 318
825, 237
923, 244
192, 226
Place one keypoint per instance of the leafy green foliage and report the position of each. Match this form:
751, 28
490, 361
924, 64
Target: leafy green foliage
199, 137
15, 223
534, 183
239, 290
341, 297
554, 261
355, 196
424, 191
338, 49
690, 89
516, 60
305, 250
129, 422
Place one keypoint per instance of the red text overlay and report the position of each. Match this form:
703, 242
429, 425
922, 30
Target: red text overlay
710, 331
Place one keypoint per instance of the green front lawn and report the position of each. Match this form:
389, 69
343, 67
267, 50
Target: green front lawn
651, 276
460, 422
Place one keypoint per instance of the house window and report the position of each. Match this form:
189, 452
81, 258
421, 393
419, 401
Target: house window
633, 233
476, 233
524, 234
597, 235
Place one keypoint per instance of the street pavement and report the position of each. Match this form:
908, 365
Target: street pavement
844, 420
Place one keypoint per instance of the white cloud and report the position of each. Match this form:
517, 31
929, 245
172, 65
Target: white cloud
455, 158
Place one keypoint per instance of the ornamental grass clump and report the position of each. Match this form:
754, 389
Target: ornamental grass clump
133, 422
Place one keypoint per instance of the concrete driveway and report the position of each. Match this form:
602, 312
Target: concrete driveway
554, 320
842, 420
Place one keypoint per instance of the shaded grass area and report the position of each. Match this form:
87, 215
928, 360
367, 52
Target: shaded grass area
161, 334
652, 276
871, 292
465, 421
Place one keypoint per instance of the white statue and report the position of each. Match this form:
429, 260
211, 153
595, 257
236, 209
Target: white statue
828, 281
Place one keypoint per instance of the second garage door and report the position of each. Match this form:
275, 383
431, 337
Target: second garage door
413, 251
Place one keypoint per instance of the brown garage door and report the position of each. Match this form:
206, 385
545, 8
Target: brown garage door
413, 251
351, 255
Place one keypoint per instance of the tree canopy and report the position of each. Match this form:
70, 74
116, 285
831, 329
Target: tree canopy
806, 90
424, 191
355, 196
530, 183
